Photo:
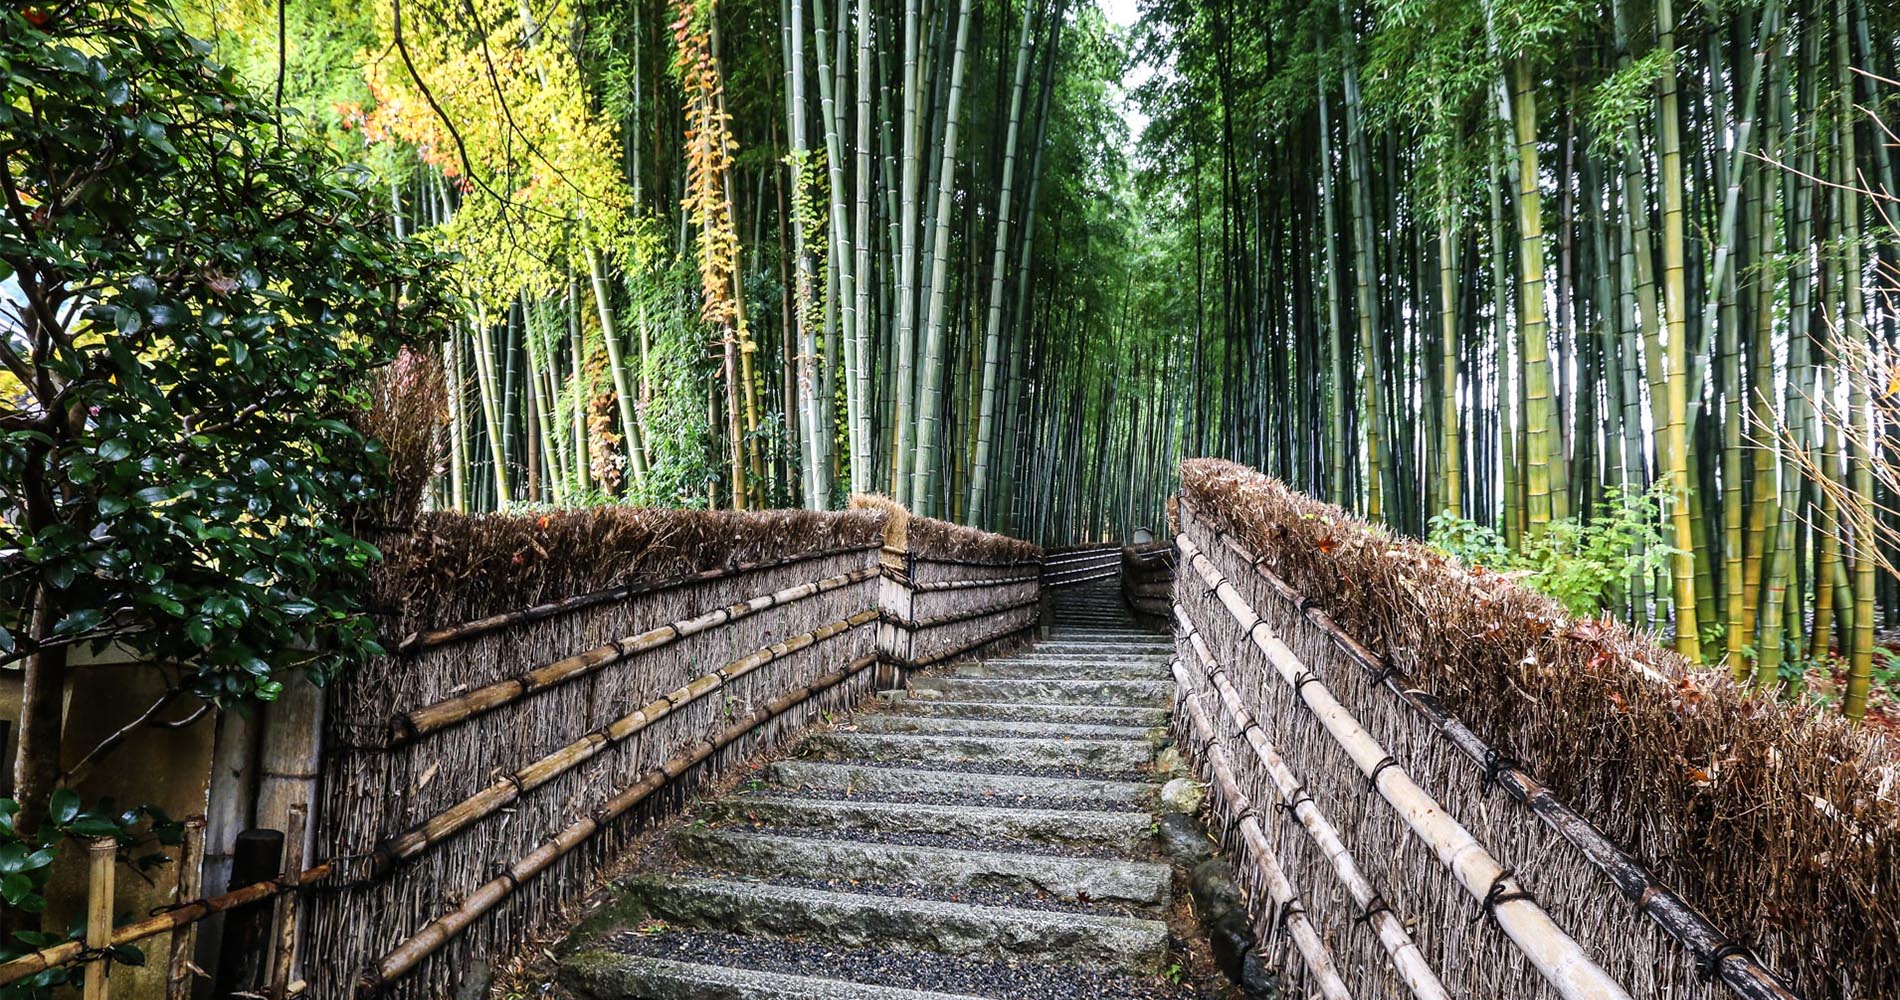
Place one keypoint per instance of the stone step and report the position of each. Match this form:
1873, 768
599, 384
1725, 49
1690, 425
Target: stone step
1068, 644
863, 920
937, 725
1125, 831
1115, 669
1113, 715
1072, 879
1050, 692
868, 779
1112, 756
599, 975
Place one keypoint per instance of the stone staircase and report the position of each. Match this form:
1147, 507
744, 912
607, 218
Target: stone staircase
988, 833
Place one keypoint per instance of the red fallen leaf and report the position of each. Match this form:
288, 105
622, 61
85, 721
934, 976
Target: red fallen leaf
1616, 700
543, 519
36, 17
1326, 544
1601, 660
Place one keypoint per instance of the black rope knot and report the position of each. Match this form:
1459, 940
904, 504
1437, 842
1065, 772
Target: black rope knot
1306, 677
1372, 780
1499, 894
1709, 967
1387, 670
1288, 911
1495, 764
1374, 907
1309, 604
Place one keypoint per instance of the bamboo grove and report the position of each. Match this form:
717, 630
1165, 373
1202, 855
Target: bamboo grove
1510, 261
1515, 264
746, 253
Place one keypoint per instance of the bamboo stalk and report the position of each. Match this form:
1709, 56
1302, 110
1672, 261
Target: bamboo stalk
920, 624
1556, 956
1291, 911
1403, 951
102, 856
191, 856
416, 642
460, 708
405, 956
996, 581
1743, 973
511, 787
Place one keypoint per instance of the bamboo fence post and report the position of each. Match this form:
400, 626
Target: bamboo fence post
1403, 951
1291, 911
1740, 970
286, 943
102, 857
191, 855
1556, 955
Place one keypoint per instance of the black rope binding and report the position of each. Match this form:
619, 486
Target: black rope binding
1373, 909
1708, 968
1372, 780
1495, 764
1306, 677
1287, 912
1387, 670
1293, 804
1498, 894
1309, 604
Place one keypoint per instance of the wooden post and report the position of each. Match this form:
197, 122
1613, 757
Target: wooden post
191, 856
102, 858
287, 907
258, 856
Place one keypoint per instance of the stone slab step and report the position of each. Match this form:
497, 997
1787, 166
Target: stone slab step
1070, 644
871, 780
1073, 879
937, 725
1123, 831
1112, 715
1090, 755
863, 920
1050, 668
1053, 692
598, 975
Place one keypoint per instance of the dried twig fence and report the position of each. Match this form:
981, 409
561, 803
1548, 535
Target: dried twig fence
1641, 846
1079, 565
1147, 580
475, 779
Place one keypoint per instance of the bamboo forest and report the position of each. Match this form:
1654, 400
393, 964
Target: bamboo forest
1611, 274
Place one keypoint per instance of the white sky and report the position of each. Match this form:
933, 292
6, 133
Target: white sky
1125, 13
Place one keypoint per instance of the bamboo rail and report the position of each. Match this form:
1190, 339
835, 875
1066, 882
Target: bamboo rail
513, 786
1291, 912
995, 581
948, 654
68, 952
1742, 972
936, 621
1555, 955
438, 932
1066, 581
976, 563
1403, 951
420, 722
417, 641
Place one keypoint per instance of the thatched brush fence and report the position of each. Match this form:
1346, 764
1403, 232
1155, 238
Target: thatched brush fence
1685, 839
1082, 564
1147, 579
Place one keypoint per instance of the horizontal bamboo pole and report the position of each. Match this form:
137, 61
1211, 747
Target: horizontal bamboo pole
937, 621
508, 789
994, 581
1292, 912
1741, 972
1556, 956
968, 647
1052, 582
405, 956
420, 722
68, 952
978, 563
1397, 941
415, 642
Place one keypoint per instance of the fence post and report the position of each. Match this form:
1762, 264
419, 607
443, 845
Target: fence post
287, 907
103, 858
191, 856
257, 857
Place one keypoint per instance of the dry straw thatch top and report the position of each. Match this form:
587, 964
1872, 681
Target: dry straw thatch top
458, 567
1781, 823
927, 537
